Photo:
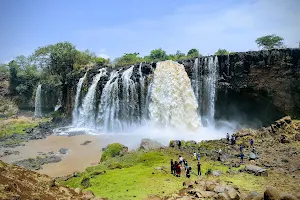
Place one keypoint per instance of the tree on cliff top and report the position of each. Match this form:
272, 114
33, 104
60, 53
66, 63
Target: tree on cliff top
270, 42
222, 52
128, 59
157, 55
193, 53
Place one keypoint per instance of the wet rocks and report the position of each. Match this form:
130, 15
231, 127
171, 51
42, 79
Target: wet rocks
148, 144
36, 163
63, 150
86, 142
8, 152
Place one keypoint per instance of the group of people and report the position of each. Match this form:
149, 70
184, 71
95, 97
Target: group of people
233, 142
176, 167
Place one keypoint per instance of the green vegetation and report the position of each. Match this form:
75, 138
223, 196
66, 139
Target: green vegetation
128, 59
112, 150
18, 125
270, 41
193, 53
222, 52
133, 175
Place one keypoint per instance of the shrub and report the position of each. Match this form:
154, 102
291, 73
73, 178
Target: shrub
112, 150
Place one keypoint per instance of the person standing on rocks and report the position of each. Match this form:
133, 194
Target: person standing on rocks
227, 136
179, 144
251, 142
178, 170
242, 157
199, 168
175, 168
172, 166
241, 148
185, 164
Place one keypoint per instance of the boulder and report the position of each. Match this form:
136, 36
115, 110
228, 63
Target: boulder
233, 194
210, 186
77, 190
222, 196
207, 194
252, 156
219, 189
88, 195
188, 184
63, 150
148, 144
252, 195
271, 193
258, 171
297, 137
285, 196
217, 173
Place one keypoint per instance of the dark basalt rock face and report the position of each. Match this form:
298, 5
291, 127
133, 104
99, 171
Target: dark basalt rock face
255, 86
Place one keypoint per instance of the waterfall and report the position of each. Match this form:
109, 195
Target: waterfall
38, 102
204, 79
87, 112
173, 100
209, 88
110, 104
76, 105
143, 95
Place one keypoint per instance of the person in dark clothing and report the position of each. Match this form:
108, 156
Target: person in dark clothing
188, 175
227, 136
199, 168
175, 168
241, 148
251, 142
242, 157
172, 166
179, 144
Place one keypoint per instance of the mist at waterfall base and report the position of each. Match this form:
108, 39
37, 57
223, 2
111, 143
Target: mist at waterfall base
167, 109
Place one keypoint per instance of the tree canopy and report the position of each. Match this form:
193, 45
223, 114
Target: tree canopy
128, 59
193, 53
270, 42
222, 52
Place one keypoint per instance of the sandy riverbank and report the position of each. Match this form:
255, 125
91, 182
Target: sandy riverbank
77, 158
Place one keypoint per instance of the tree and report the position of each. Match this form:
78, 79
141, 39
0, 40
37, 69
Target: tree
193, 53
270, 42
157, 55
128, 59
222, 52
177, 56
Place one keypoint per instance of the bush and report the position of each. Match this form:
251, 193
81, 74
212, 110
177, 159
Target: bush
112, 150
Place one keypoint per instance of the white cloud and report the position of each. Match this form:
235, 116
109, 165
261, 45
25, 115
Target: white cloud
204, 26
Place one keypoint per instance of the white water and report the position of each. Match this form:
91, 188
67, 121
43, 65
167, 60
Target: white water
173, 100
86, 114
76, 105
38, 102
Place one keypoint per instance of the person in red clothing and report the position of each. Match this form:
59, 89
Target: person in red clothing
178, 170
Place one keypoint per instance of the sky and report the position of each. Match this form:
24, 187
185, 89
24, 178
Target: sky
112, 28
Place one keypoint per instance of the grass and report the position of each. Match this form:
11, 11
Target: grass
18, 125
135, 179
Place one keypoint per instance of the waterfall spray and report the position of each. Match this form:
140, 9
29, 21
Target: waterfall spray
38, 102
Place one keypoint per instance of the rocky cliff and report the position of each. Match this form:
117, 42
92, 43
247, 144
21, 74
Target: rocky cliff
257, 86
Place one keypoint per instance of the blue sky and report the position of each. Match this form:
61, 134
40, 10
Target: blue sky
112, 28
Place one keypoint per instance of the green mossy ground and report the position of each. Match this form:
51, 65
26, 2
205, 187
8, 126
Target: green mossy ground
19, 125
133, 176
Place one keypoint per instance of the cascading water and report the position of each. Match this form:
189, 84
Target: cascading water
38, 102
205, 73
87, 114
143, 94
210, 85
173, 100
76, 105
